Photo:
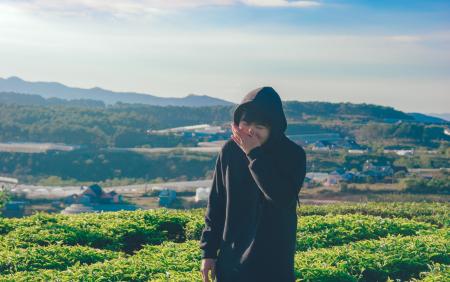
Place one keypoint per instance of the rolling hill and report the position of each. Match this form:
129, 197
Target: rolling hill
61, 91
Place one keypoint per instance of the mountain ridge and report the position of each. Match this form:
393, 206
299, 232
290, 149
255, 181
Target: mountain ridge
58, 90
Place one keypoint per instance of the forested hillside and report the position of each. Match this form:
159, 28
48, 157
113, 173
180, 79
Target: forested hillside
125, 125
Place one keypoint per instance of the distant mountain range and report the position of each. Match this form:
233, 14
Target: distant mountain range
61, 91
37, 100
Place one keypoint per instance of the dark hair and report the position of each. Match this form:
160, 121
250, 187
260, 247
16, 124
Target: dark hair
253, 115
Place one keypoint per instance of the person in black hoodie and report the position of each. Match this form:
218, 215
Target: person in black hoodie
251, 219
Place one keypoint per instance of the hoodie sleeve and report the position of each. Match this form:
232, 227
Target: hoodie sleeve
279, 185
215, 214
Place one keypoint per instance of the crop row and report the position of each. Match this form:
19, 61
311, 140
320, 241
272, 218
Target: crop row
119, 231
172, 222
438, 273
333, 230
129, 231
393, 257
435, 213
50, 257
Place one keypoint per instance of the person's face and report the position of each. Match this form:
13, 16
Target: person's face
260, 131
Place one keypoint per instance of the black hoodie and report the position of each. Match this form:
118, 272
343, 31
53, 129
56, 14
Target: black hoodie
251, 219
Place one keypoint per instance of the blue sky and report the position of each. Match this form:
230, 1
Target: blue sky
392, 53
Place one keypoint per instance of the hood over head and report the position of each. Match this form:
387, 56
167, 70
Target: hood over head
266, 100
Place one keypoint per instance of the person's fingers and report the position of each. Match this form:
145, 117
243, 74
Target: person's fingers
237, 137
236, 140
205, 274
240, 134
213, 272
236, 130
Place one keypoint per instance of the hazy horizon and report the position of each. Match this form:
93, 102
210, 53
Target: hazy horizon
385, 53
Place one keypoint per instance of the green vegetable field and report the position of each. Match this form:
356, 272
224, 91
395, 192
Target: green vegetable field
339, 242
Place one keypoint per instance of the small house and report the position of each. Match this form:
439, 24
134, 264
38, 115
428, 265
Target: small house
202, 194
14, 209
167, 197
318, 177
95, 194
333, 179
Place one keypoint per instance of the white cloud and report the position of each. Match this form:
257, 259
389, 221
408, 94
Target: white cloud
437, 36
281, 3
407, 70
405, 38
139, 7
